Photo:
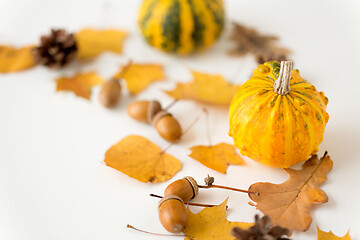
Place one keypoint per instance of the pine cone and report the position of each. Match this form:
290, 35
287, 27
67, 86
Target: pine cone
56, 50
262, 59
262, 230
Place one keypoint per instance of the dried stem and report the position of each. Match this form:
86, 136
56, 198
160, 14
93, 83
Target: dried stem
157, 234
282, 84
207, 126
185, 131
228, 188
188, 203
171, 104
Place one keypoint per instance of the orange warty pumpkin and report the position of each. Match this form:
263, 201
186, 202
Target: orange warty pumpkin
277, 118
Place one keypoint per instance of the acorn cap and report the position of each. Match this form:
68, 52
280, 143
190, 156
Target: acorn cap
194, 185
164, 199
153, 108
160, 115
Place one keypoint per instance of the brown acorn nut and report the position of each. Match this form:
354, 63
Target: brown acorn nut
144, 111
167, 126
185, 188
110, 93
172, 213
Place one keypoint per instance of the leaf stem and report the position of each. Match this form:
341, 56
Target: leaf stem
171, 104
188, 203
157, 234
207, 126
185, 131
228, 188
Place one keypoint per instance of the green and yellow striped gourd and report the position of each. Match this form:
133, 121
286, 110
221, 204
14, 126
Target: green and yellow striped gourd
181, 26
278, 118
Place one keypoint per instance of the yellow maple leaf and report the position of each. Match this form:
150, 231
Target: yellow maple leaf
211, 223
206, 88
330, 236
14, 60
216, 157
92, 42
80, 84
139, 76
141, 159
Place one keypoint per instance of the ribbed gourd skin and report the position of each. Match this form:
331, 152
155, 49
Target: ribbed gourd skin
181, 26
276, 130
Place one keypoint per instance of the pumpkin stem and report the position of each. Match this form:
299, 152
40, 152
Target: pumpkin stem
282, 84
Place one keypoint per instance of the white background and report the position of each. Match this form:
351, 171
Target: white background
52, 184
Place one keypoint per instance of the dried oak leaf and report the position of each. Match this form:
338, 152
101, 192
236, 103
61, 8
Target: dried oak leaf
288, 204
16, 59
211, 223
92, 43
206, 88
262, 47
330, 236
80, 84
217, 157
139, 76
141, 159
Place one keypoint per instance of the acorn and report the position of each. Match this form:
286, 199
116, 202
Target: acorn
172, 213
185, 188
167, 126
144, 111
110, 93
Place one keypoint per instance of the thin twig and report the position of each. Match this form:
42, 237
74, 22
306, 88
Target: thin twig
188, 203
190, 126
171, 104
185, 131
207, 125
157, 234
228, 188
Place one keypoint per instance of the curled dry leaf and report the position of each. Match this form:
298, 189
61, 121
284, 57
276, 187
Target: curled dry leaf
16, 59
330, 236
80, 84
217, 157
288, 204
211, 223
92, 43
262, 47
206, 88
141, 159
262, 229
139, 76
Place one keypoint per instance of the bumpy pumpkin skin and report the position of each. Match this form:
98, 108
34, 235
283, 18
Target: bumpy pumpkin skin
181, 26
276, 130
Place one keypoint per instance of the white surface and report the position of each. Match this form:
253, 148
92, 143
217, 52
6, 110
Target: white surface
52, 185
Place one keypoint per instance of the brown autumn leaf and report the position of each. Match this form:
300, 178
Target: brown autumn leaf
206, 88
288, 204
80, 84
217, 157
139, 76
91, 43
16, 59
263, 47
141, 159
211, 223
330, 236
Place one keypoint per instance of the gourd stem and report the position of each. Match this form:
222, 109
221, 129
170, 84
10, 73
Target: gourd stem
282, 84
